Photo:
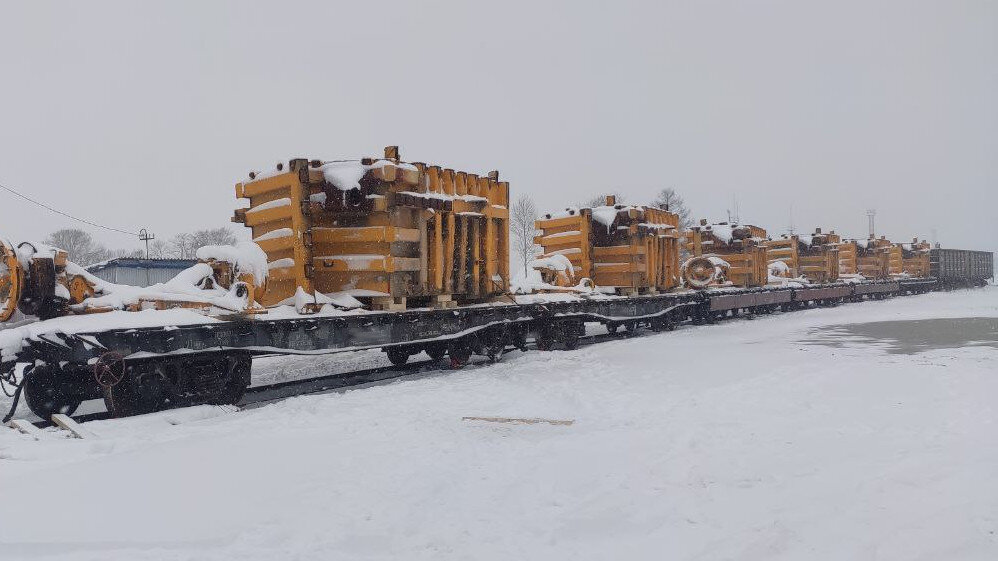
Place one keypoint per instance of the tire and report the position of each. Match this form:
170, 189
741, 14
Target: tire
45, 396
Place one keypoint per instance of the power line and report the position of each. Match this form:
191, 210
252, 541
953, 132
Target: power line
47, 207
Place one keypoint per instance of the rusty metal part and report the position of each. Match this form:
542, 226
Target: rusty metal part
698, 272
11, 281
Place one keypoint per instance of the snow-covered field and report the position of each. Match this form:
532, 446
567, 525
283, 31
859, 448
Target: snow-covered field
746, 440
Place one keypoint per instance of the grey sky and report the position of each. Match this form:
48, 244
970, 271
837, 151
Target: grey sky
135, 115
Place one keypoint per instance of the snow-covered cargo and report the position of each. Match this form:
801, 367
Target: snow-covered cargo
379, 228
742, 247
819, 260
627, 248
915, 258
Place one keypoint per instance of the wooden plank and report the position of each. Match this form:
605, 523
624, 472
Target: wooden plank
476, 256
491, 255
438, 252
25, 427
449, 243
365, 234
65, 422
521, 421
462, 255
424, 251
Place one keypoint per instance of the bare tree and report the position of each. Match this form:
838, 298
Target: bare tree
522, 216
600, 200
668, 199
186, 245
79, 245
159, 249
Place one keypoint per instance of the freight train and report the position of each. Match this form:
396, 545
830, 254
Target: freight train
411, 258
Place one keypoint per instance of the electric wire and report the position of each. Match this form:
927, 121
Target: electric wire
67, 215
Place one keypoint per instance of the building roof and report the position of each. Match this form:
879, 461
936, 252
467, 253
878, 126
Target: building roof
132, 263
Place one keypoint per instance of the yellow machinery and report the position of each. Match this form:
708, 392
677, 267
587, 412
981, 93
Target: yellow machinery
631, 249
726, 253
872, 259
915, 258
379, 228
39, 281
785, 250
819, 261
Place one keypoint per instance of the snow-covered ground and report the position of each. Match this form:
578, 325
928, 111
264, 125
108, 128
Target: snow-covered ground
752, 439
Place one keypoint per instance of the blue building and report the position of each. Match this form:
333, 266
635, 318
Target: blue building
139, 272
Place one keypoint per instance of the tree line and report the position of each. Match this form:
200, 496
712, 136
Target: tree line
84, 250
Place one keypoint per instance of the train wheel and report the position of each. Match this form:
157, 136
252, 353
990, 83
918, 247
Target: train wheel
436, 352
120, 395
544, 339
459, 352
495, 344
121, 400
240, 368
398, 356
44, 394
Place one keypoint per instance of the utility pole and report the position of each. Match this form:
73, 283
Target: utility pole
145, 236
870, 214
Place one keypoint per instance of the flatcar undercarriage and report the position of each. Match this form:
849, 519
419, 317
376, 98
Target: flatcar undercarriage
146, 369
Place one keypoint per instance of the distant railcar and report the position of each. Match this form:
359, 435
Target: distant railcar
961, 267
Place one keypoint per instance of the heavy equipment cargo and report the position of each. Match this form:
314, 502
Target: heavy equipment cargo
785, 252
819, 260
379, 229
915, 258
868, 258
961, 267
627, 248
726, 254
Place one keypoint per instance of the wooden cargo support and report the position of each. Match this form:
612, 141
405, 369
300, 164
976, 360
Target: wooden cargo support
403, 233
820, 261
915, 258
742, 246
631, 249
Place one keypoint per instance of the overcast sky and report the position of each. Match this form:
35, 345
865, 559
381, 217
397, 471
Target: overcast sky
140, 116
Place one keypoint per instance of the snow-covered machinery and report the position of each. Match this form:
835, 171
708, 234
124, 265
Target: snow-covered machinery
877, 258
783, 256
630, 249
726, 253
915, 259
379, 229
40, 281
818, 261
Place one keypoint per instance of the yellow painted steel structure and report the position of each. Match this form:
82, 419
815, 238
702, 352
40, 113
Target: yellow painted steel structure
745, 251
819, 261
787, 250
915, 258
629, 248
403, 230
